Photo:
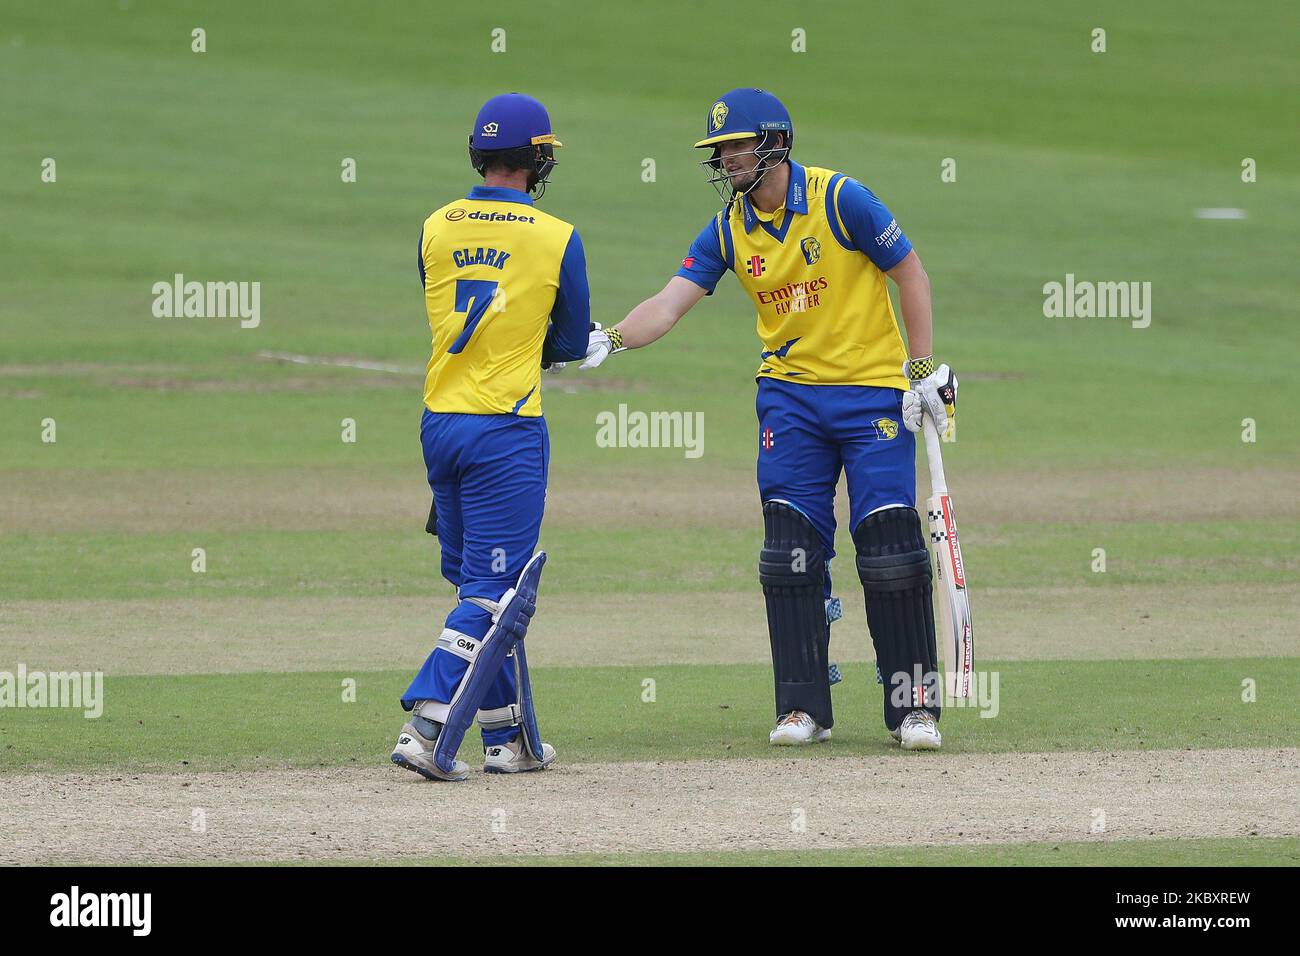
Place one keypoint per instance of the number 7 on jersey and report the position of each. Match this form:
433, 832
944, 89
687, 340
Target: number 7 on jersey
473, 296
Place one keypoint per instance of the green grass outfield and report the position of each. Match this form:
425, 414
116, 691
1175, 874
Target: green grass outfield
1073, 435
282, 563
238, 721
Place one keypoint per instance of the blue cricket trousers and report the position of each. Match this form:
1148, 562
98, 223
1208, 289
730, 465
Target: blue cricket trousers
807, 434
488, 475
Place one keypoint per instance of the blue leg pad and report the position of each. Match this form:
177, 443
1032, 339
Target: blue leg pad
509, 625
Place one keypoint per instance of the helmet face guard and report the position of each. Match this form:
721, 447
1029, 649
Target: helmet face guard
772, 150
539, 159
743, 114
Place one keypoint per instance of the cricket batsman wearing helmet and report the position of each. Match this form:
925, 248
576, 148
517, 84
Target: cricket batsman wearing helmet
505, 288
811, 247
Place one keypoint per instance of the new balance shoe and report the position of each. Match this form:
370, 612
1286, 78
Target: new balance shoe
414, 752
513, 758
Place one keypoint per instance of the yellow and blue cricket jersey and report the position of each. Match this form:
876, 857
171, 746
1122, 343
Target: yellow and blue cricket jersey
505, 288
815, 271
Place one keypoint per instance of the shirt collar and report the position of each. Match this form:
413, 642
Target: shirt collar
796, 197
500, 194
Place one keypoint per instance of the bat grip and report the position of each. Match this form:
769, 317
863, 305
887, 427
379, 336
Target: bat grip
938, 483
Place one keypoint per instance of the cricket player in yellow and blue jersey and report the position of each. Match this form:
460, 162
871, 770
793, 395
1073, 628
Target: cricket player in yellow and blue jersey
505, 289
836, 391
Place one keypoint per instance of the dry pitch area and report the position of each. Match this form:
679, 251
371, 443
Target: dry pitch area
691, 806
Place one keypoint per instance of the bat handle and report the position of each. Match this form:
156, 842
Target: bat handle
938, 483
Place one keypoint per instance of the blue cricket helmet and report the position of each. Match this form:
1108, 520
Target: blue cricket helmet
745, 112
740, 114
515, 129
510, 121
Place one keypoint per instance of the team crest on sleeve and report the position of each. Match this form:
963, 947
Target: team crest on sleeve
886, 428
812, 250
719, 115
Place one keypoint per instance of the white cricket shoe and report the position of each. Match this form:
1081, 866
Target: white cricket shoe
797, 728
415, 752
918, 731
513, 758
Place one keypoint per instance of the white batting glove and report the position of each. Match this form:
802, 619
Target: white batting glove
555, 368
935, 391
911, 411
601, 344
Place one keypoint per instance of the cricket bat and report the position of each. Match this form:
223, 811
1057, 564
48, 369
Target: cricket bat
954, 602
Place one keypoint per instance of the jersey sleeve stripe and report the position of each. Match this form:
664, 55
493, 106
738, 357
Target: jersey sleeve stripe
420, 259
728, 248
833, 211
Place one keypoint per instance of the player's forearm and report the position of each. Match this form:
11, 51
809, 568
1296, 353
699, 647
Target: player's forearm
647, 323
914, 301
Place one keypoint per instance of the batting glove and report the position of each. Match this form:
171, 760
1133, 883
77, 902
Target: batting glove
601, 344
933, 393
912, 411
